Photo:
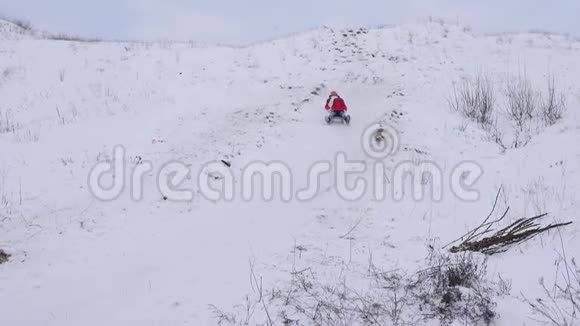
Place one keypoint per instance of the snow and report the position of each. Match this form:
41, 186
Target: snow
11, 31
77, 260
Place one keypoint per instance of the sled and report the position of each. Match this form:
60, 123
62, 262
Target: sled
333, 118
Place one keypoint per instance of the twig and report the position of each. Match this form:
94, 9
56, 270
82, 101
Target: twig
352, 229
519, 231
260, 293
471, 233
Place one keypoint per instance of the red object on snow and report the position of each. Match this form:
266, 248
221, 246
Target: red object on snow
338, 105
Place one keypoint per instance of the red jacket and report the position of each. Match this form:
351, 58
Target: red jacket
338, 105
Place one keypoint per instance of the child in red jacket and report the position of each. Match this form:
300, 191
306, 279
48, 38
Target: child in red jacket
337, 108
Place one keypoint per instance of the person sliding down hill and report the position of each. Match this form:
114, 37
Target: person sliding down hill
336, 107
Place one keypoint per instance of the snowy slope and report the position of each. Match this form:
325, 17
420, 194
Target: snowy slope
10, 31
65, 105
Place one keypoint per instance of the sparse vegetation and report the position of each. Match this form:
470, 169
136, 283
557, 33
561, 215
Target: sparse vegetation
7, 123
528, 110
452, 288
475, 100
522, 102
560, 305
6, 72
4, 256
61, 75
553, 104
72, 38
25, 25
6, 203
455, 288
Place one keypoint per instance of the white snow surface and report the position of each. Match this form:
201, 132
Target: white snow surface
64, 106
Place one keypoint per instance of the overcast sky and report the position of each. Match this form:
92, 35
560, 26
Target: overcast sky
244, 21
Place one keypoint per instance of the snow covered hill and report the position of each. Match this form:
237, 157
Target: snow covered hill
65, 106
14, 30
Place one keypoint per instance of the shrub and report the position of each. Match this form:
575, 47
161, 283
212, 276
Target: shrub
3, 256
522, 102
553, 104
454, 288
475, 100
7, 123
